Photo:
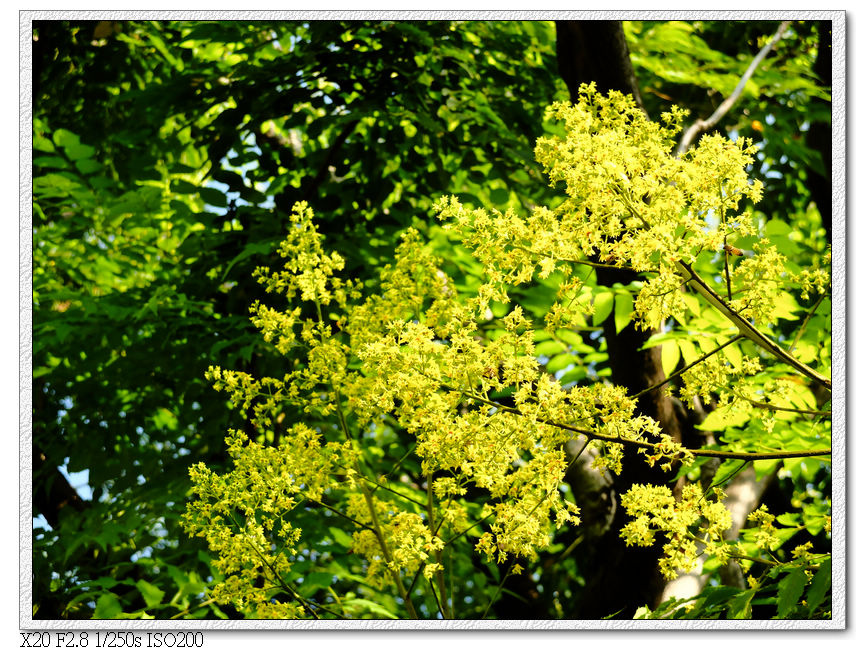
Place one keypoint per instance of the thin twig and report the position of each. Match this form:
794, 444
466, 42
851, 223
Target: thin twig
727, 271
707, 453
688, 367
499, 589
337, 512
772, 407
811, 312
745, 327
595, 265
703, 125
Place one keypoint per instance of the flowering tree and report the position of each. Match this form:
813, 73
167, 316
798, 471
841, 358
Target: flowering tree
441, 411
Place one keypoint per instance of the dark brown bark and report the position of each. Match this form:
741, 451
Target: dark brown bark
619, 579
595, 50
820, 134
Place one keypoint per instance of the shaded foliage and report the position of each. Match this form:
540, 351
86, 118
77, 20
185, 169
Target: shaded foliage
166, 156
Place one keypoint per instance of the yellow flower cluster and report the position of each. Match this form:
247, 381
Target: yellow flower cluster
689, 523
715, 376
243, 514
411, 357
399, 542
766, 535
631, 202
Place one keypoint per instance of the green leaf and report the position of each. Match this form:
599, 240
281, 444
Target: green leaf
213, 197
624, 307
41, 143
820, 584
87, 166
788, 519
733, 354
560, 362
574, 340
499, 196
603, 307
79, 151
659, 339
778, 227
815, 524
65, 139
358, 606
707, 344
692, 302
790, 590
341, 537
55, 162
179, 186
312, 582
689, 351
548, 348
715, 595
669, 357
739, 607
723, 418
152, 594
108, 606
806, 352
786, 307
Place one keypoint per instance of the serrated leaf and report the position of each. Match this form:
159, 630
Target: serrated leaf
108, 606
790, 590
623, 309
740, 606
603, 307
152, 594
820, 585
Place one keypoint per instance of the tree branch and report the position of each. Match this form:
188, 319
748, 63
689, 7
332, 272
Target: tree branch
689, 366
703, 125
745, 327
706, 453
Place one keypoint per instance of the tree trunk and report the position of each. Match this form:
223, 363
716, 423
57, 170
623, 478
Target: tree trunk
820, 134
618, 579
